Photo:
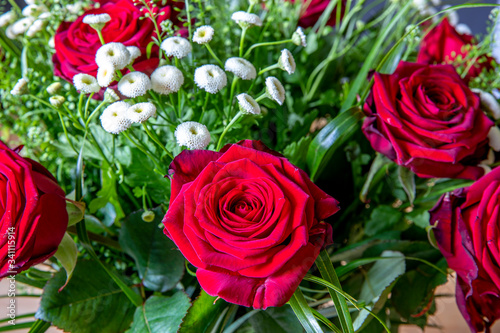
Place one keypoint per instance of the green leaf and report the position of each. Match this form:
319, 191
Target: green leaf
76, 211
304, 313
39, 326
81, 305
276, 320
202, 314
161, 314
376, 169
382, 218
407, 179
107, 193
296, 152
328, 273
67, 254
377, 285
331, 137
158, 261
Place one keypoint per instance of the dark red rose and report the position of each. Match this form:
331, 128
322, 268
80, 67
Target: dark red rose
424, 117
312, 9
76, 43
33, 215
249, 220
468, 234
443, 44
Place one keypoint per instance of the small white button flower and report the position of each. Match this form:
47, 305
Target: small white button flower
203, 34
20, 88
7, 18
115, 53
247, 104
141, 112
57, 100
86, 83
22, 25
299, 37
54, 88
34, 10
106, 74
110, 96
9, 33
135, 53
287, 62
210, 78
96, 19
246, 20
134, 84
275, 90
114, 118
192, 135
176, 47
167, 79
240, 67
35, 28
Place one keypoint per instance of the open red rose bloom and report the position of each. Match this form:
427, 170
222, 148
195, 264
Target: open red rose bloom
426, 118
467, 233
249, 220
32, 212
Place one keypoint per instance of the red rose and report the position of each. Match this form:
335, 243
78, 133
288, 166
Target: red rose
442, 45
467, 233
249, 220
33, 215
312, 9
76, 43
424, 117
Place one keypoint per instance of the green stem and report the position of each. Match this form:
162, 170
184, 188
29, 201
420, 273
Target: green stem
238, 115
80, 104
101, 38
242, 40
261, 97
231, 96
141, 148
66, 133
247, 53
214, 55
87, 105
158, 142
94, 113
207, 97
176, 111
188, 15
267, 69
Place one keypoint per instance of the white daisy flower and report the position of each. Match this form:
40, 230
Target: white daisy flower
86, 83
21, 26
96, 19
110, 95
176, 47
135, 53
114, 118
192, 135
287, 62
54, 88
141, 112
210, 78
20, 88
247, 104
299, 37
57, 100
7, 18
167, 79
35, 28
115, 53
275, 90
245, 19
106, 74
240, 67
10, 33
34, 10
134, 84
203, 34
494, 137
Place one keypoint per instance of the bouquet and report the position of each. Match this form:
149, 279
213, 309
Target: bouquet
247, 166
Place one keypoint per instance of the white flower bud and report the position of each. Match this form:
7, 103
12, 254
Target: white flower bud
148, 216
494, 137
106, 74
192, 135
241, 68
20, 88
141, 112
35, 28
86, 83
114, 118
176, 47
44, 16
287, 62
110, 96
22, 25
57, 100
97, 21
54, 88
210, 78
135, 53
134, 84
7, 18
9, 33
34, 10
489, 103
299, 37
275, 90
246, 20
115, 53
203, 34
247, 104
167, 79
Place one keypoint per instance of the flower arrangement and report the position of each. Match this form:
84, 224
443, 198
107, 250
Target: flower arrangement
247, 166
